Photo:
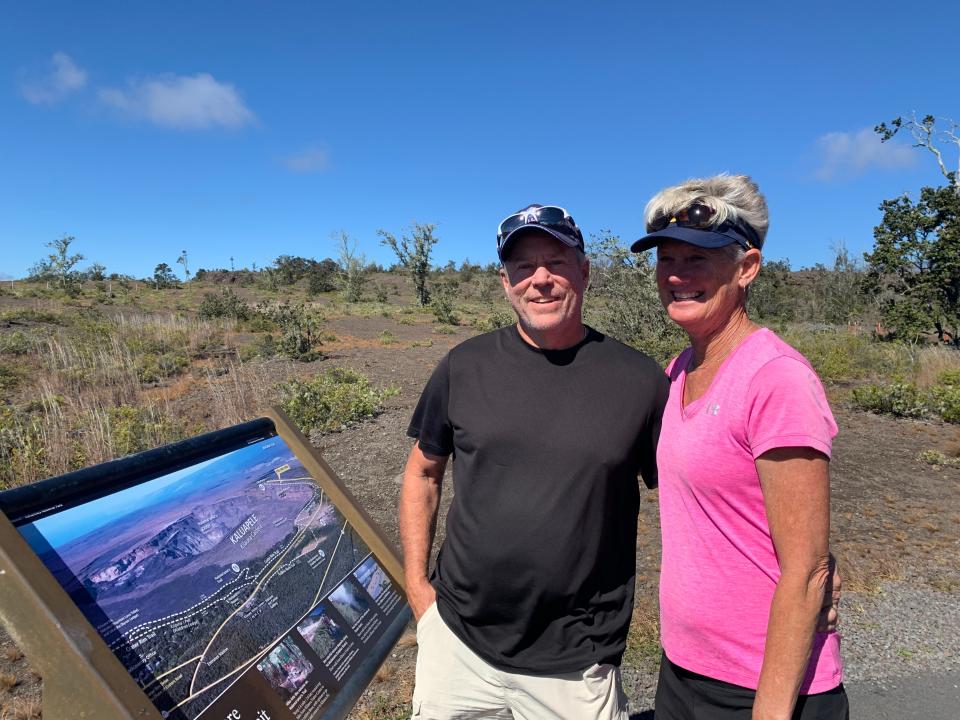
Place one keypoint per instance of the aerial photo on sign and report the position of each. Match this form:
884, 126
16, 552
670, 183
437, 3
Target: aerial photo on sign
198, 576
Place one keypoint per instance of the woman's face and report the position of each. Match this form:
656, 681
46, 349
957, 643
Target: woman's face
702, 288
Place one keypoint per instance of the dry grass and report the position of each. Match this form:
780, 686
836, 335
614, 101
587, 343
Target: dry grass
8, 681
93, 395
239, 391
409, 639
21, 709
933, 361
643, 642
867, 574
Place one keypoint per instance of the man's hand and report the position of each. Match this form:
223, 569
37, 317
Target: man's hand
830, 610
421, 596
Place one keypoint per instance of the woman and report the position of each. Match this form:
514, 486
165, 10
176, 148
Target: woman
743, 463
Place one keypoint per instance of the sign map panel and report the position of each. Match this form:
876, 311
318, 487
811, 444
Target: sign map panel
232, 587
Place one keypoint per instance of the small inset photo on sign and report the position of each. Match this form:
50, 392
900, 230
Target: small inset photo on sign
372, 577
350, 601
285, 668
320, 631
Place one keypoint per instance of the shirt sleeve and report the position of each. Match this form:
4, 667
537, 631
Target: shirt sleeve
430, 423
788, 408
648, 449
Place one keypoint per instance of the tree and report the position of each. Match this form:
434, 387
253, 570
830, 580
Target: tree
915, 264
163, 277
838, 293
414, 255
183, 261
97, 272
771, 295
290, 268
352, 267
322, 277
623, 301
926, 135
58, 264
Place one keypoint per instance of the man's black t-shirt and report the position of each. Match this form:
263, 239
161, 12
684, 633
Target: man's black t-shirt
536, 573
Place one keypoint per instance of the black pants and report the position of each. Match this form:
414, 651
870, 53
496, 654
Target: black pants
684, 695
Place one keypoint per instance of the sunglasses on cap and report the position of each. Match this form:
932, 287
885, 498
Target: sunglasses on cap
699, 216
550, 216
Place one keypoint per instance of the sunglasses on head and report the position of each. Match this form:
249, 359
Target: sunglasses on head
548, 216
700, 217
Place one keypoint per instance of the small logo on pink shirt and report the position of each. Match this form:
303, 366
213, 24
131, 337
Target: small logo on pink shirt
713, 409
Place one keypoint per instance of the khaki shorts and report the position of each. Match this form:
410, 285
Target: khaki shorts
453, 682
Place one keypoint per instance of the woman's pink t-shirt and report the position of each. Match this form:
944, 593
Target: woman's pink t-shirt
719, 568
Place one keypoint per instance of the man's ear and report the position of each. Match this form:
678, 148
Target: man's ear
505, 280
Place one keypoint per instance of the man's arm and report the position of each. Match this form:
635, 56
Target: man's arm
796, 491
419, 503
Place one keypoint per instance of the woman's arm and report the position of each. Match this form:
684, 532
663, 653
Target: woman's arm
796, 492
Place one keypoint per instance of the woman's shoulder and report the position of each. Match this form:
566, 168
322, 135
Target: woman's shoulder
772, 360
771, 347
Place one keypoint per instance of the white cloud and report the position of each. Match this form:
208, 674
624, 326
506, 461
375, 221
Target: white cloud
849, 154
311, 160
54, 84
181, 101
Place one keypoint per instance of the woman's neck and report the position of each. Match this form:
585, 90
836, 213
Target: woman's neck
711, 348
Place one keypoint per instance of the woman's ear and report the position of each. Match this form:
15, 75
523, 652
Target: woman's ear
749, 267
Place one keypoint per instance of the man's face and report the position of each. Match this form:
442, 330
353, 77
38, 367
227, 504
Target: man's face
544, 280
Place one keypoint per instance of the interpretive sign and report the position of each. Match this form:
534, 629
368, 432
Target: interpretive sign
232, 576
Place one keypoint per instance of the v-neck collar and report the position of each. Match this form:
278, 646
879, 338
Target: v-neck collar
693, 407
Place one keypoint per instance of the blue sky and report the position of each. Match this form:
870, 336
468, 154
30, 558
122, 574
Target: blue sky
253, 129
236, 466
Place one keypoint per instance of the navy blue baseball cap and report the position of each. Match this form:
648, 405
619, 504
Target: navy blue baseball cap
551, 219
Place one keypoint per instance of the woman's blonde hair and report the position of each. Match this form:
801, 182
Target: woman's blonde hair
732, 197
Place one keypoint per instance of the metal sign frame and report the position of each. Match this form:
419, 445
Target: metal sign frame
82, 678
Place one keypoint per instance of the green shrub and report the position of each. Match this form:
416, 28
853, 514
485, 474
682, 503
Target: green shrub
838, 355
946, 396
442, 303
265, 346
331, 400
321, 279
903, 399
23, 456
935, 457
387, 338
623, 301
899, 399
300, 329
10, 377
15, 343
497, 318
225, 304
153, 367
32, 315
135, 429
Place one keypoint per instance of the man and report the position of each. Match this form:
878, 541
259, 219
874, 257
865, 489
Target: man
550, 424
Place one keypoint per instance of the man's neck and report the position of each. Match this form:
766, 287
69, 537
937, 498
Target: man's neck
559, 340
